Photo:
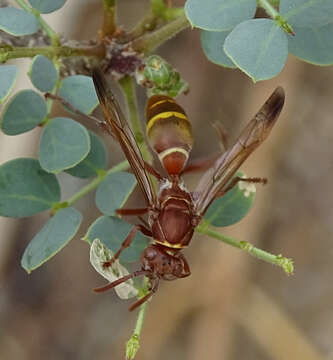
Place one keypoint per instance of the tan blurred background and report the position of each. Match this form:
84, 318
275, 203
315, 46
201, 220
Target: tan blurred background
233, 306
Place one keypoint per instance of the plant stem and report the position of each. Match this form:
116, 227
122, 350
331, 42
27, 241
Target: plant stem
148, 42
94, 183
285, 263
109, 18
49, 101
128, 86
50, 32
7, 53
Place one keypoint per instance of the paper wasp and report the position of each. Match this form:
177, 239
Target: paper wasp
173, 212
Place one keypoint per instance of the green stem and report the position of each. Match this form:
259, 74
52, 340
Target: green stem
109, 18
94, 183
50, 32
49, 101
150, 41
7, 53
285, 263
128, 86
148, 23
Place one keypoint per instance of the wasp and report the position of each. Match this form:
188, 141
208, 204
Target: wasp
174, 212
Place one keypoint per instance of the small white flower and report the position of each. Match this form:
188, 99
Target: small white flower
247, 187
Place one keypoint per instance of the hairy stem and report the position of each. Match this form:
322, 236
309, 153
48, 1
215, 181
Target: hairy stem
109, 18
149, 42
7, 53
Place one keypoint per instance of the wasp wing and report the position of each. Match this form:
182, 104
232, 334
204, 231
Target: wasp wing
214, 181
117, 126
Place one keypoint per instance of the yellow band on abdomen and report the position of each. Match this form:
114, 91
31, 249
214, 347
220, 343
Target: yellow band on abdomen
165, 115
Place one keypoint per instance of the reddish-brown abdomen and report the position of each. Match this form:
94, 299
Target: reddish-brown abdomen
169, 132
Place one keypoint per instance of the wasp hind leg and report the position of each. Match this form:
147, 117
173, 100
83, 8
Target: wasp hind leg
237, 179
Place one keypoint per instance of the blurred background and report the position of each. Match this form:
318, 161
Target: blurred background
233, 306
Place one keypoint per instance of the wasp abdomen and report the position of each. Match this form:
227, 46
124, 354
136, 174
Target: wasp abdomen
169, 132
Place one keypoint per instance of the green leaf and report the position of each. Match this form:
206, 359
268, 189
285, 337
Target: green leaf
47, 6
114, 191
219, 15
63, 144
94, 162
258, 47
212, 44
43, 73
313, 45
26, 189
79, 90
112, 232
99, 254
24, 112
307, 13
8, 75
17, 21
53, 236
233, 206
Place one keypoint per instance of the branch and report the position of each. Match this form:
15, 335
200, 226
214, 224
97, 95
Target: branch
9, 52
285, 263
149, 42
109, 18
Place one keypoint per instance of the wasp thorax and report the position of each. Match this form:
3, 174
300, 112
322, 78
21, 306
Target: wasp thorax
169, 132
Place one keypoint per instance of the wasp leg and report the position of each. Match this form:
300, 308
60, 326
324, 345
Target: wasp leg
201, 164
186, 266
121, 280
153, 172
152, 291
73, 109
125, 244
237, 179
